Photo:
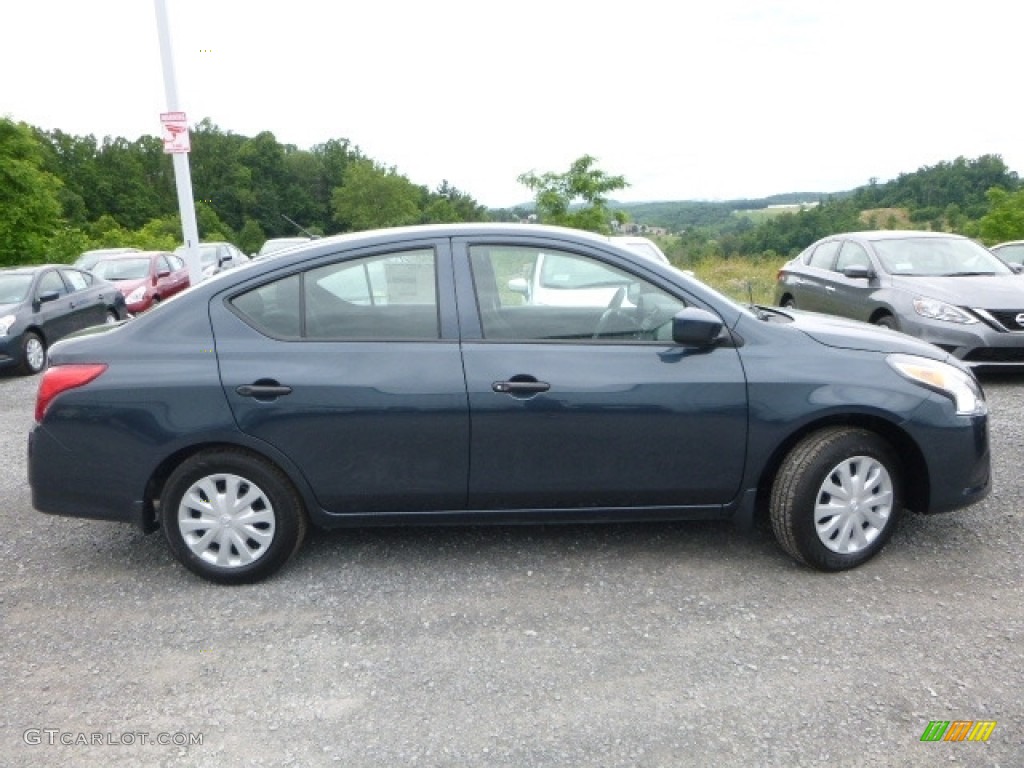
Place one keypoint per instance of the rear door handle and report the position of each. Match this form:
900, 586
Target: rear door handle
263, 391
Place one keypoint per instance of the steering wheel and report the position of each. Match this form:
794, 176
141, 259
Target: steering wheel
613, 315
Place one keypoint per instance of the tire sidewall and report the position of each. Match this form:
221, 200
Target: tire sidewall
289, 515
840, 445
26, 365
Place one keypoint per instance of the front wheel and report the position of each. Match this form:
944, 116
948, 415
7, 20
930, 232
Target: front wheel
33, 353
887, 321
231, 517
836, 498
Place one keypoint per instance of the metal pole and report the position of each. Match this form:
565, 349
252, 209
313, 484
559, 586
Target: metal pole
182, 173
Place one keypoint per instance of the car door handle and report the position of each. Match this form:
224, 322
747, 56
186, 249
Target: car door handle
263, 391
830, 289
515, 387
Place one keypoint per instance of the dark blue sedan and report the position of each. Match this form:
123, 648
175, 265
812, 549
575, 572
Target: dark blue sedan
397, 377
41, 304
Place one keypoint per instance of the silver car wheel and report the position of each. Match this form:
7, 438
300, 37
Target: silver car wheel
35, 353
226, 520
854, 504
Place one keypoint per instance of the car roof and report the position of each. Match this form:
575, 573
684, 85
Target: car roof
897, 234
1008, 242
463, 229
134, 255
31, 269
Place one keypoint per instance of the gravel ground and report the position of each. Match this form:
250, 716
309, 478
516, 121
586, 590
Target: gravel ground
645, 645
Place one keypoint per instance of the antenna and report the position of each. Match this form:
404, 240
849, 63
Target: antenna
299, 227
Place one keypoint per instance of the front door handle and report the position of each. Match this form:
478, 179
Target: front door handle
520, 387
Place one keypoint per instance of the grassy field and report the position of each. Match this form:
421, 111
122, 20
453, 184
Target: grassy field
741, 279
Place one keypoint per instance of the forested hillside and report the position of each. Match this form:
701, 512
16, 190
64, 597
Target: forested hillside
61, 194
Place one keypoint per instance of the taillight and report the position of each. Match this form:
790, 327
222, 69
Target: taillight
61, 378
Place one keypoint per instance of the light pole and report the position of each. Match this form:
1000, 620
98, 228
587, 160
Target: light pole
182, 174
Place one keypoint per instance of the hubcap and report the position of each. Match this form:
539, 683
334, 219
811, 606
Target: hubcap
854, 505
35, 353
226, 520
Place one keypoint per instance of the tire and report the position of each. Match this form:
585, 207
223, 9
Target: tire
887, 321
788, 303
231, 517
33, 353
822, 511
111, 317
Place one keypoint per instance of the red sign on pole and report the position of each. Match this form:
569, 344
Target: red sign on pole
175, 132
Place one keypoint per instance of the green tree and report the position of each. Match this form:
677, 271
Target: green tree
29, 196
558, 195
1005, 218
251, 236
374, 196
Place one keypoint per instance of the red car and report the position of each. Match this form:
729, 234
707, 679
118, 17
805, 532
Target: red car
145, 278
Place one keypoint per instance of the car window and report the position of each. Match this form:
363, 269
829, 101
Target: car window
852, 255
134, 268
14, 287
934, 256
389, 296
1012, 253
174, 263
824, 255
78, 281
530, 294
274, 308
50, 282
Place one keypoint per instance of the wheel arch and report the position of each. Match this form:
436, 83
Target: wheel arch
914, 469
158, 478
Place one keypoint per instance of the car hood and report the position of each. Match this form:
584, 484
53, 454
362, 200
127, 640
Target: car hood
9, 309
841, 333
982, 291
127, 286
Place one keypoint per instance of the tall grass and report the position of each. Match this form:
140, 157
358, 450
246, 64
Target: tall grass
742, 279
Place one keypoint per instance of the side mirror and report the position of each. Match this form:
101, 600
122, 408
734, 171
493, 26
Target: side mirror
695, 327
858, 272
519, 285
48, 296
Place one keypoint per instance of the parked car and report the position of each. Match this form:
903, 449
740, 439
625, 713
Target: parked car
88, 258
275, 244
41, 304
642, 245
1011, 252
942, 288
384, 378
557, 281
215, 257
145, 278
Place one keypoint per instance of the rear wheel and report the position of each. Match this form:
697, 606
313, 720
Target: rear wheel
33, 353
836, 498
231, 517
789, 303
111, 317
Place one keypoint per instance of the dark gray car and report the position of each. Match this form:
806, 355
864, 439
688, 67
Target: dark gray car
391, 377
41, 304
942, 288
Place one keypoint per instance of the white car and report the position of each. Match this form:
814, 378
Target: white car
559, 280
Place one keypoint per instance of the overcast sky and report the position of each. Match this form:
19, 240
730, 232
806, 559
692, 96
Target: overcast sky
688, 100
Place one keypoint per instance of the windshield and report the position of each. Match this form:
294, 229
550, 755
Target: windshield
207, 254
14, 288
122, 269
935, 256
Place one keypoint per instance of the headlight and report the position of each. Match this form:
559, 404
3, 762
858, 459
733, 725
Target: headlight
940, 310
137, 295
961, 387
5, 324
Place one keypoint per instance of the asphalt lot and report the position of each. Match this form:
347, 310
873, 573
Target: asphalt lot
647, 645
